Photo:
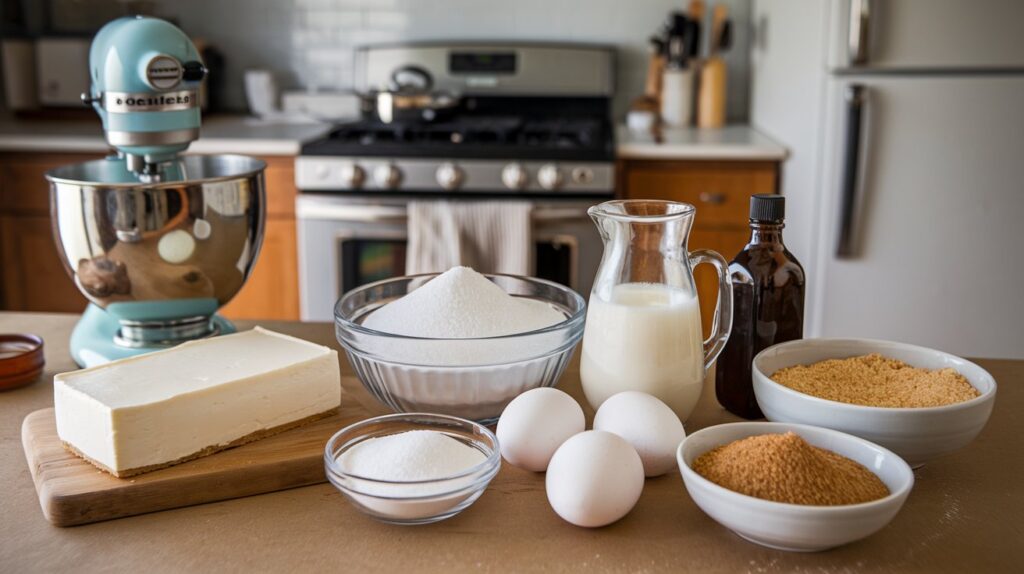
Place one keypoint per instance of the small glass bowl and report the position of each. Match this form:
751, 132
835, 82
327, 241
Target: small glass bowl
472, 378
413, 502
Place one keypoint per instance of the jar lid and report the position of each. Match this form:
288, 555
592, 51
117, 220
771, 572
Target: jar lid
21, 359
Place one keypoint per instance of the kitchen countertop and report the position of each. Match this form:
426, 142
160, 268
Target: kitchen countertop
966, 512
735, 142
245, 135
220, 134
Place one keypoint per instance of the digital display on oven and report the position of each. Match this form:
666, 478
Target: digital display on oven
482, 62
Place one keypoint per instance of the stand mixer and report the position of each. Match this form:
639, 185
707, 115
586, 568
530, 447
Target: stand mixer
156, 240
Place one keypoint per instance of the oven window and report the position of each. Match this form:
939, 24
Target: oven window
367, 260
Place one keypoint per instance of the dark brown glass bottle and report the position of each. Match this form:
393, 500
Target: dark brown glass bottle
768, 304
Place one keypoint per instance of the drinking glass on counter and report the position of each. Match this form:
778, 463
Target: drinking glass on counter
643, 330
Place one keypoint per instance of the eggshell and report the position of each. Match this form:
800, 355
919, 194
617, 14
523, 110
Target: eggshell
535, 424
594, 479
646, 423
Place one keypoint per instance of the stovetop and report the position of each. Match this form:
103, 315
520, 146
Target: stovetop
505, 130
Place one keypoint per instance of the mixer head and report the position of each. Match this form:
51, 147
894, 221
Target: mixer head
145, 76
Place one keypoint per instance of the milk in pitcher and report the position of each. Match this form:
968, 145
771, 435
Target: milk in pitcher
646, 338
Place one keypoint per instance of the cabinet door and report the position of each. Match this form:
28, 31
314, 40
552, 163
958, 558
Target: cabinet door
23, 185
721, 193
272, 290
34, 278
719, 190
727, 243
280, 179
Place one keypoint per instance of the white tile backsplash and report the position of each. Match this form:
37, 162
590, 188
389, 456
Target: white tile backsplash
309, 43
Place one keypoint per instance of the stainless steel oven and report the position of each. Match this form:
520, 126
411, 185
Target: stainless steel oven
346, 241
532, 122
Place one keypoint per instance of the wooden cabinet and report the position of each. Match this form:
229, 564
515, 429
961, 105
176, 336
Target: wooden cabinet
720, 190
272, 290
32, 277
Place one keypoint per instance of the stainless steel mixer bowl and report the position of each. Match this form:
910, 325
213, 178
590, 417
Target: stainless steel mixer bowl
180, 245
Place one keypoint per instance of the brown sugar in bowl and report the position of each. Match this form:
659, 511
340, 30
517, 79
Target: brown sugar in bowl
21, 359
918, 434
795, 527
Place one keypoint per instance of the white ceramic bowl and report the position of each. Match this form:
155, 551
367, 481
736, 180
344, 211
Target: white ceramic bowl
795, 527
916, 434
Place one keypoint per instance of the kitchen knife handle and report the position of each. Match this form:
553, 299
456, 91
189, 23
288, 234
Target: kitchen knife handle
860, 25
855, 97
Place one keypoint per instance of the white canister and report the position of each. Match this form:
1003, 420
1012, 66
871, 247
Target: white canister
677, 97
261, 92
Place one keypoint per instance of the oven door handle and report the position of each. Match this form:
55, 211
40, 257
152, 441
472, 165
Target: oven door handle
332, 211
362, 213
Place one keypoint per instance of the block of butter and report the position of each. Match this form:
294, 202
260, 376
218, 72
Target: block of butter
155, 410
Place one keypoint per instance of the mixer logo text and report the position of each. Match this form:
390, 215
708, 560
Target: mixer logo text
155, 100
125, 102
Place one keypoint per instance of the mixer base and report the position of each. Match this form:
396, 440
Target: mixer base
93, 339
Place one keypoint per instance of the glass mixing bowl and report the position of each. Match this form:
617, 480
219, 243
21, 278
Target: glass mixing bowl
468, 378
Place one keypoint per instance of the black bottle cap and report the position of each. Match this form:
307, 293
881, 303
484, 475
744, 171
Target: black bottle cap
767, 207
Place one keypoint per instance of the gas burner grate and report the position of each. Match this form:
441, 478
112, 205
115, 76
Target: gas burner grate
511, 131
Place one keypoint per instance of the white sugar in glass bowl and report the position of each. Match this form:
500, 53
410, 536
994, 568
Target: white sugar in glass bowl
421, 501
471, 378
795, 527
916, 434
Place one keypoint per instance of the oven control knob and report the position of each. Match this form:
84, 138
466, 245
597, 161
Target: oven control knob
450, 176
549, 176
387, 176
352, 176
515, 176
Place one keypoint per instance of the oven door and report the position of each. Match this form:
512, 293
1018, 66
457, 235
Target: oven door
348, 241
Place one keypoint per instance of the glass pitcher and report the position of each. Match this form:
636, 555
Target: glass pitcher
643, 330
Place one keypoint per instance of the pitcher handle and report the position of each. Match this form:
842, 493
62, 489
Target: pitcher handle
723, 308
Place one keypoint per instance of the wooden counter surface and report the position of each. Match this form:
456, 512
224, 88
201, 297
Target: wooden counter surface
965, 514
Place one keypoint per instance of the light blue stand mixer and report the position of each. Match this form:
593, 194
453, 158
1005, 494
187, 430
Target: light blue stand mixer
156, 240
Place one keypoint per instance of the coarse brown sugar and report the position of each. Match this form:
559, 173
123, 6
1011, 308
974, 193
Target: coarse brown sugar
877, 381
786, 468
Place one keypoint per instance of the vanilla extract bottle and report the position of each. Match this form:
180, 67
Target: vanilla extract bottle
768, 304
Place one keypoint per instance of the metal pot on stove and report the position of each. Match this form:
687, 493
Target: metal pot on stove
411, 97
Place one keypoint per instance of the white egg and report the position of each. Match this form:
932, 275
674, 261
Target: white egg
594, 479
646, 423
535, 424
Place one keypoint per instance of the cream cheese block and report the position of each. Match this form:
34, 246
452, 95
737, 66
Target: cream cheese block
162, 408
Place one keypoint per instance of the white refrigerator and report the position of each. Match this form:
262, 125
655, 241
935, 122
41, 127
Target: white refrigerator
905, 183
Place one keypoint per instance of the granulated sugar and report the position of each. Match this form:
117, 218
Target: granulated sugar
402, 459
877, 381
410, 456
785, 468
461, 304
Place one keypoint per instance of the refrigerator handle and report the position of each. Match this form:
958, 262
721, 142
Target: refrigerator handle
855, 97
860, 21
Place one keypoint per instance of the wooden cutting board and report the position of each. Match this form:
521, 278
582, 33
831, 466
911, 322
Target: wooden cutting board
72, 491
